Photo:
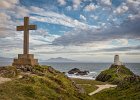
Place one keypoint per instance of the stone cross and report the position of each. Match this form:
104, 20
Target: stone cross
26, 27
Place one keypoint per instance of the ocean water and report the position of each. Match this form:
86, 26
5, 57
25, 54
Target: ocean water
93, 68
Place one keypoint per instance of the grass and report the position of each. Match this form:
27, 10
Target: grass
45, 83
132, 92
129, 91
126, 89
51, 85
88, 85
9, 72
114, 74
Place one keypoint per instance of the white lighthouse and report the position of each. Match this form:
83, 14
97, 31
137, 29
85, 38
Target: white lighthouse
117, 61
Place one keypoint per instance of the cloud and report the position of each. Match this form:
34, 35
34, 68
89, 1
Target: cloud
10, 43
83, 18
61, 2
4, 17
21, 11
129, 29
90, 7
10, 10
94, 17
131, 48
122, 41
105, 2
6, 25
76, 4
7, 4
36, 9
68, 8
134, 5
84, 39
121, 9
60, 19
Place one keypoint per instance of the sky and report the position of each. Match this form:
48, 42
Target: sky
82, 30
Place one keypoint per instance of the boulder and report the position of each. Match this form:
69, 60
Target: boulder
82, 73
76, 71
73, 71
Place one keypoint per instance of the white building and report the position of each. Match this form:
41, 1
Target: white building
117, 61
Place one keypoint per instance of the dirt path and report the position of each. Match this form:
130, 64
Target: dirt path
101, 87
2, 80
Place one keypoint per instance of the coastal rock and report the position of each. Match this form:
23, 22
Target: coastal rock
82, 73
76, 71
73, 71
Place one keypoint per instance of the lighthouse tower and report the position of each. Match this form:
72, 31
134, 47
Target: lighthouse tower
117, 61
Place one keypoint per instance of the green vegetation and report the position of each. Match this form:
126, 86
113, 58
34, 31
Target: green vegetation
88, 85
42, 83
114, 74
128, 91
128, 84
45, 83
125, 90
9, 72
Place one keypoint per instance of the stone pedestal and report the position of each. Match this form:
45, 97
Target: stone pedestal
25, 59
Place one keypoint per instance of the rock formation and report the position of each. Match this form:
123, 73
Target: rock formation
76, 71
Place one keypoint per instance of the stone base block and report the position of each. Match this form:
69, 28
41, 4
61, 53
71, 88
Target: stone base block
25, 59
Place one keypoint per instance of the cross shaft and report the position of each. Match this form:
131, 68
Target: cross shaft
26, 29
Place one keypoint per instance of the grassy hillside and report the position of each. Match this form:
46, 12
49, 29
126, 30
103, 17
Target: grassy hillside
128, 84
41, 83
88, 85
45, 83
114, 74
129, 89
125, 91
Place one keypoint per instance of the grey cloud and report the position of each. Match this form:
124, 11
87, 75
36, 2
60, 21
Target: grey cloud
129, 29
120, 49
6, 32
103, 51
8, 44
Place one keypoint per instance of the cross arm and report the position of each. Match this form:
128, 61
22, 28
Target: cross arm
32, 27
20, 28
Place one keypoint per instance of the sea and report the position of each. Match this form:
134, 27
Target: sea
93, 68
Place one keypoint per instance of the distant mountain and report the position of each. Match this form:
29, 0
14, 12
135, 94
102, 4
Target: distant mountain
60, 59
3, 59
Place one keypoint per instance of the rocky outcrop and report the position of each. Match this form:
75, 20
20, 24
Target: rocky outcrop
82, 73
8, 72
115, 74
73, 71
77, 71
133, 78
103, 77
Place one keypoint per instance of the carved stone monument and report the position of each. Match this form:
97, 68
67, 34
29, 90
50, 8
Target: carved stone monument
26, 58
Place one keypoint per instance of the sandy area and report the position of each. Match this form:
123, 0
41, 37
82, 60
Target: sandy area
2, 80
101, 87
